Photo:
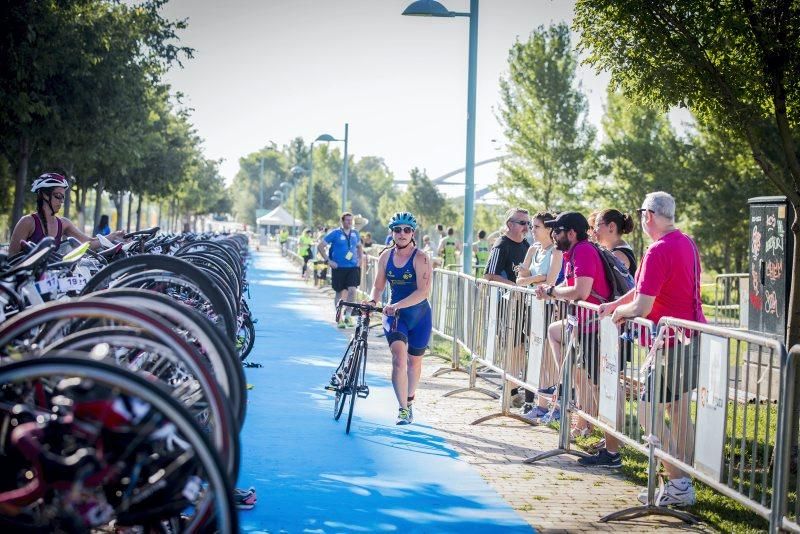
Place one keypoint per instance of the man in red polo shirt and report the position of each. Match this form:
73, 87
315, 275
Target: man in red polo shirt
667, 284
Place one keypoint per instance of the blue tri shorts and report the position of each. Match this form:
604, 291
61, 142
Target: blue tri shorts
412, 326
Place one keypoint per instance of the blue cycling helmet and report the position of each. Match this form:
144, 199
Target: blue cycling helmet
403, 217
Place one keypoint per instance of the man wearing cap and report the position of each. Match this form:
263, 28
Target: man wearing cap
584, 279
667, 284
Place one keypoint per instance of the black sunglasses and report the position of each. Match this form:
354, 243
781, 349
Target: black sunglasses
523, 223
404, 229
640, 211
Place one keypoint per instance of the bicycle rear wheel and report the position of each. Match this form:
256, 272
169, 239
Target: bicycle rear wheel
359, 360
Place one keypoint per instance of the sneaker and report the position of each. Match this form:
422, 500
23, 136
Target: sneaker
535, 413
603, 458
245, 499
403, 417
550, 417
410, 413
349, 321
677, 492
342, 324
548, 391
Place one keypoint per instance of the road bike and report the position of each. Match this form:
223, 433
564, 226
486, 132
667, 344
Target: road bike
349, 379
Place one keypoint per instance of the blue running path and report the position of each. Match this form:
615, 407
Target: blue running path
312, 477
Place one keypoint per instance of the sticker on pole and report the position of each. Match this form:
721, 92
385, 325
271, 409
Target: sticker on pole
536, 343
712, 400
609, 372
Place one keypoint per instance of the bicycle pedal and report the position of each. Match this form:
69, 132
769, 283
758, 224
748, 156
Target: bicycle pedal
331, 387
362, 392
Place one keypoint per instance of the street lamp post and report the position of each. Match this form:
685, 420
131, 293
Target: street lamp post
311, 186
345, 164
297, 171
432, 8
261, 186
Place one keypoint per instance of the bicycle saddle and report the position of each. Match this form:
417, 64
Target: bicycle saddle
34, 259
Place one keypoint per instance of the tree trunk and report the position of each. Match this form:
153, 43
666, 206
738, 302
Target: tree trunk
22, 178
80, 206
119, 199
130, 209
793, 326
139, 214
98, 203
160, 213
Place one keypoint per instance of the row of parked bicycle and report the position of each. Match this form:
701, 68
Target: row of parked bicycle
122, 391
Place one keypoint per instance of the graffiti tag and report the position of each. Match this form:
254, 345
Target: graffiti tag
771, 220
774, 244
756, 301
774, 269
756, 246
771, 302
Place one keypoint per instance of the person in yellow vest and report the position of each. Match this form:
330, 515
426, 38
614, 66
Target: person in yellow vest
448, 247
283, 238
480, 249
304, 245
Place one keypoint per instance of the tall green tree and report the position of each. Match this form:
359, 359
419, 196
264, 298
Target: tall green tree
543, 112
733, 64
640, 153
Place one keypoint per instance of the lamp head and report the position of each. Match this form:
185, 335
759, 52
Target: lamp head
297, 170
427, 8
285, 184
325, 138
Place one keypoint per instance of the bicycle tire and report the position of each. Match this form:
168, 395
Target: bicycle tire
217, 503
341, 391
226, 438
223, 359
249, 334
148, 262
358, 357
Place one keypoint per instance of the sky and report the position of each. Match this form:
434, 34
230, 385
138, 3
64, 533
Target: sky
271, 70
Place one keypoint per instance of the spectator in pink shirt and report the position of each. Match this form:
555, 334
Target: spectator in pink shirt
584, 279
667, 284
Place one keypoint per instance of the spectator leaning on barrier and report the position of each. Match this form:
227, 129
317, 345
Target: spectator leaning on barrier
667, 284
541, 266
344, 257
508, 252
584, 279
609, 227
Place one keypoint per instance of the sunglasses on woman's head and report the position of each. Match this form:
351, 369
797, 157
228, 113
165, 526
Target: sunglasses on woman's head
404, 229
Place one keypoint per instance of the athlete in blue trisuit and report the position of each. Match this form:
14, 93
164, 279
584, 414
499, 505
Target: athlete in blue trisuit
407, 321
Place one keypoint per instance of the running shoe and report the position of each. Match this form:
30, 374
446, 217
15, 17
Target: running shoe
676, 492
403, 417
342, 324
245, 499
410, 413
535, 413
349, 321
603, 458
550, 417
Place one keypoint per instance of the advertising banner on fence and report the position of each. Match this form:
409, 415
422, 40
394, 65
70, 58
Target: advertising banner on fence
536, 343
712, 400
609, 372
491, 334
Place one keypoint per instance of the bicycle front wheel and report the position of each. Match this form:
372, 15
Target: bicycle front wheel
356, 372
342, 374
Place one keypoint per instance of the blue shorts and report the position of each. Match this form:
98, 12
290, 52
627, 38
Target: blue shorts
412, 326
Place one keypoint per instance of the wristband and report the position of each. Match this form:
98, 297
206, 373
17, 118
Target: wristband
549, 291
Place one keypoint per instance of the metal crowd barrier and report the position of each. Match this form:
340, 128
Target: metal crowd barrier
706, 380
731, 300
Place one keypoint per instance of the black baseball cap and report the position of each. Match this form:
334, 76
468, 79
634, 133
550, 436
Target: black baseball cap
569, 220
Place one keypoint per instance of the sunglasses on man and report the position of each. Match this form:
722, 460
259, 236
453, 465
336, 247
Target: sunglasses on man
403, 229
520, 222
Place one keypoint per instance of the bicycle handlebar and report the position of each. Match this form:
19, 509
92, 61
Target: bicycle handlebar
356, 306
